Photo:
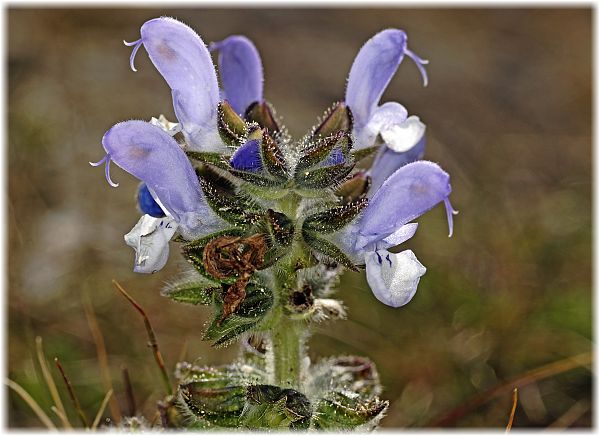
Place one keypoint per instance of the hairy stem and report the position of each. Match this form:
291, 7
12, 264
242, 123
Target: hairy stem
288, 352
287, 335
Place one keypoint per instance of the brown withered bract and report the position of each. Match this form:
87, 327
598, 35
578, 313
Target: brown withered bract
228, 256
234, 296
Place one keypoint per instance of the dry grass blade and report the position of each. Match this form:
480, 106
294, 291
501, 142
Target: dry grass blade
31, 403
74, 398
61, 412
151, 337
529, 377
571, 416
102, 355
515, 399
107, 398
128, 392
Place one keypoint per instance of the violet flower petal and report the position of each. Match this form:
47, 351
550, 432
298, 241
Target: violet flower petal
153, 156
393, 277
241, 72
387, 161
371, 72
401, 235
383, 119
407, 194
183, 60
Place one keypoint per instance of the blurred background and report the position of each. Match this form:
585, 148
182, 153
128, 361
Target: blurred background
508, 111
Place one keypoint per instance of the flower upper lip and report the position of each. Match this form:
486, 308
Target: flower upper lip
241, 71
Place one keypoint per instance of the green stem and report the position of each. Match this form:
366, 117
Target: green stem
288, 352
287, 335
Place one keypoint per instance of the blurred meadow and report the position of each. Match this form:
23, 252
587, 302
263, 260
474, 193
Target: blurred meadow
508, 113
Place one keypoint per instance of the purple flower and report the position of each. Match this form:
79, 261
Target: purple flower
181, 57
371, 72
241, 72
148, 151
402, 187
408, 193
152, 155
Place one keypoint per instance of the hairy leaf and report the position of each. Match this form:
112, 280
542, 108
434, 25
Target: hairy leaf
334, 219
256, 179
232, 128
217, 159
338, 118
272, 157
339, 411
191, 290
249, 313
318, 151
364, 152
280, 227
354, 188
271, 407
323, 177
235, 208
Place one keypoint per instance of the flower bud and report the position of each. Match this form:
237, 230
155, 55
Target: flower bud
337, 118
232, 128
261, 113
354, 188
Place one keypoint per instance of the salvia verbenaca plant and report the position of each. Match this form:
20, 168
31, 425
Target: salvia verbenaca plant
269, 223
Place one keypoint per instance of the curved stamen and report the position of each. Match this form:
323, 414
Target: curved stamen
419, 62
136, 46
449, 215
106, 161
107, 173
100, 162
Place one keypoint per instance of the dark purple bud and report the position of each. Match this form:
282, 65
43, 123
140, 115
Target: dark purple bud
335, 158
147, 204
247, 157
